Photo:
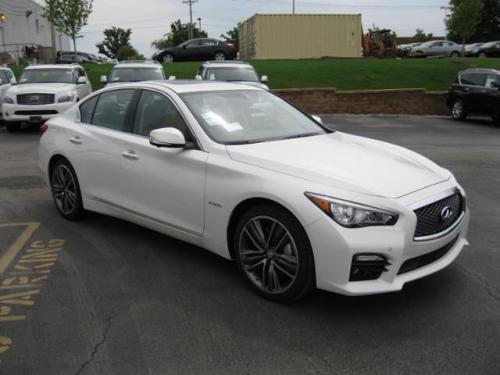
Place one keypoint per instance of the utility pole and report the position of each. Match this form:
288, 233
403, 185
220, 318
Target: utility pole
446, 15
190, 27
199, 22
293, 6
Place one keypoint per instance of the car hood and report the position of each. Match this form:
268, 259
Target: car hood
260, 85
40, 88
345, 162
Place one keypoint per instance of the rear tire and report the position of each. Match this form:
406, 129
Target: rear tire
455, 54
13, 127
273, 253
458, 110
219, 56
168, 58
482, 55
66, 190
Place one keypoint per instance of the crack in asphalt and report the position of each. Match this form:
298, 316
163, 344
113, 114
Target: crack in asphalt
97, 345
490, 289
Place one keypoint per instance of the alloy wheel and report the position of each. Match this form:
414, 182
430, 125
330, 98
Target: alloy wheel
457, 110
64, 189
168, 58
219, 56
268, 254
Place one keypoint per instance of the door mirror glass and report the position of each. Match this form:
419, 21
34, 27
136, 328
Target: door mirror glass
104, 79
317, 119
198, 77
167, 137
82, 80
13, 81
264, 79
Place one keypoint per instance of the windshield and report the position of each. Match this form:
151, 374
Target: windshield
248, 116
47, 76
232, 74
137, 74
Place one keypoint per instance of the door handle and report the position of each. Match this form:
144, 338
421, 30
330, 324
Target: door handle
130, 155
76, 140
467, 89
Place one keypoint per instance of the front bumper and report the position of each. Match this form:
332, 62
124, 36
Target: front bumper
335, 246
33, 113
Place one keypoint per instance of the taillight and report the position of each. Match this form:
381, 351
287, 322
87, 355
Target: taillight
43, 128
231, 45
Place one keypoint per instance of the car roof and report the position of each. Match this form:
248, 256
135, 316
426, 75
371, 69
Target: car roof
137, 64
227, 64
191, 85
480, 70
53, 66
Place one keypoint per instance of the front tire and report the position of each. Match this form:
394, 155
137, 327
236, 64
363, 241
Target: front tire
458, 110
66, 190
455, 54
168, 58
482, 55
274, 254
219, 56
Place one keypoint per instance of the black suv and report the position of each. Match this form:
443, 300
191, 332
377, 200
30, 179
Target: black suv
475, 91
197, 49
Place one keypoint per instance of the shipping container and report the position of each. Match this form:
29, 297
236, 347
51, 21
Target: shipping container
300, 36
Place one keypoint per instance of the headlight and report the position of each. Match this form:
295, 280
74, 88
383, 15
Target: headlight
66, 98
8, 100
350, 214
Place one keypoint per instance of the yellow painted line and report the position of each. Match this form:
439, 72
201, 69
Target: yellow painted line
18, 245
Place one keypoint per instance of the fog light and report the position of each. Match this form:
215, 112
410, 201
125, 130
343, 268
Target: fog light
368, 267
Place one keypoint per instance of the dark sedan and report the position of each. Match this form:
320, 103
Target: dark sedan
491, 49
197, 50
475, 91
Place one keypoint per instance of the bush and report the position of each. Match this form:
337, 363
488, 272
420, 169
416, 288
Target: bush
128, 53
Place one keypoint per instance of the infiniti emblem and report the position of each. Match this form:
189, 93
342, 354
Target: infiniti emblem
35, 98
446, 213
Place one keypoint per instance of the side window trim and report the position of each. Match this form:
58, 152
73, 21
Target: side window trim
97, 97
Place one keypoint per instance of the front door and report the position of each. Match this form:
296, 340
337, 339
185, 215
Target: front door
166, 185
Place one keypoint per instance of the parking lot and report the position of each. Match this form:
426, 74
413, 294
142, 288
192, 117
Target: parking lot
103, 296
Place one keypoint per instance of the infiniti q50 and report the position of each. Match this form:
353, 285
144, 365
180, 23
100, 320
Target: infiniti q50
239, 171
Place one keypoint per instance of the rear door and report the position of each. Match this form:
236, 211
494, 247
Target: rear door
472, 85
208, 48
98, 143
491, 96
191, 51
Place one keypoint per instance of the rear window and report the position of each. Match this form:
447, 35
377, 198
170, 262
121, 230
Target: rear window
473, 79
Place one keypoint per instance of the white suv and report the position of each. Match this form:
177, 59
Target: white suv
7, 78
44, 91
135, 71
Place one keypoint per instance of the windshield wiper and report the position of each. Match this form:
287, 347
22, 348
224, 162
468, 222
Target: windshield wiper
245, 142
301, 135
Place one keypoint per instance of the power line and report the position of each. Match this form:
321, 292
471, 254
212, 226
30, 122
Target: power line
190, 27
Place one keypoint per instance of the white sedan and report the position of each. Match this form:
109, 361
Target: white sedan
239, 171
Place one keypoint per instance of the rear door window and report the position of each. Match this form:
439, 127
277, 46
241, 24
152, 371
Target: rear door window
492, 81
87, 110
473, 79
112, 108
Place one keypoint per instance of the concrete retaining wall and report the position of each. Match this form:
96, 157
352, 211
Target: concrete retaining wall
394, 102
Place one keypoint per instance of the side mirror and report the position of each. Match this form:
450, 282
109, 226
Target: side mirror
198, 77
13, 81
167, 137
317, 119
82, 80
104, 79
264, 79
172, 78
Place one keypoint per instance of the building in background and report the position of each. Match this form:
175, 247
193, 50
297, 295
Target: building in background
300, 36
25, 33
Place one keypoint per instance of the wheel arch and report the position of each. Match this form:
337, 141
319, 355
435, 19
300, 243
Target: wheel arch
52, 162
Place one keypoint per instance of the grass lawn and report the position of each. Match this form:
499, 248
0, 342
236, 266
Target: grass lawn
344, 74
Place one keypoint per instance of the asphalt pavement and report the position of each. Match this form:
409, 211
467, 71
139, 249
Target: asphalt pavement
104, 296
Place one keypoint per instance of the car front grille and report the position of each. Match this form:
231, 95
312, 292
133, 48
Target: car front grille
35, 99
439, 216
426, 259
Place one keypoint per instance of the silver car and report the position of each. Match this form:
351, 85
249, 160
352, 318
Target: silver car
437, 48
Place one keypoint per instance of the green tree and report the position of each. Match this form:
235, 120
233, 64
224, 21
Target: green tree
68, 16
128, 53
114, 39
489, 25
421, 37
232, 36
177, 35
464, 19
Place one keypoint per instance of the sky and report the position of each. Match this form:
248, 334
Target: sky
151, 19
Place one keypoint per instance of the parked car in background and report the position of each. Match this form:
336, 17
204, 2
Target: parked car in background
85, 57
7, 79
231, 71
475, 91
437, 48
239, 171
75, 59
135, 71
471, 47
44, 91
197, 49
491, 49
